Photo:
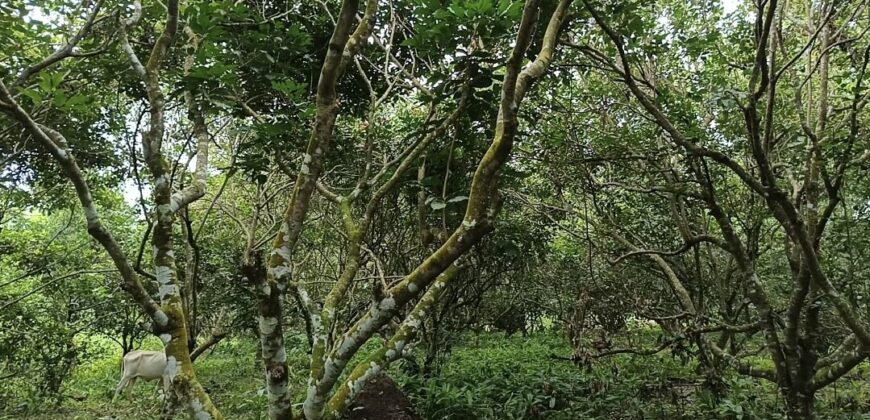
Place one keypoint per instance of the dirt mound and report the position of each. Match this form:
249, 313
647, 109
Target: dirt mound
381, 399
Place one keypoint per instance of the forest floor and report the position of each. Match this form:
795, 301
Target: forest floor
487, 376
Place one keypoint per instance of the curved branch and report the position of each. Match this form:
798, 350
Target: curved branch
660, 118
50, 283
56, 145
837, 370
686, 246
63, 52
740, 366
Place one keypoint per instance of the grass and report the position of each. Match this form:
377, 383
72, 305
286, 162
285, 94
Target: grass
229, 374
485, 377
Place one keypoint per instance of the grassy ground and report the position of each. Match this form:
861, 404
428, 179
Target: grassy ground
485, 377
229, 374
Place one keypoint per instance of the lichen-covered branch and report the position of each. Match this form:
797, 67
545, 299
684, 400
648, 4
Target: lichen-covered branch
174, 333
477, 221
342, 46
67, 50
314, 400
393, 349
57, 146
196, 189
836, 370
742, 367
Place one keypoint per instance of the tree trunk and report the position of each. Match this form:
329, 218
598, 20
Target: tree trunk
270, 329
258, 356
799, 405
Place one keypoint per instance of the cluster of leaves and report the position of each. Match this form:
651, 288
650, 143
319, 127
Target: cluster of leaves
55, 286
490, 376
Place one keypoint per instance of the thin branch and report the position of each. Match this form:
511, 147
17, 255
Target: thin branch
65, 51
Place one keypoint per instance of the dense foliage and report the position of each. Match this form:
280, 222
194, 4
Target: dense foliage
515, 209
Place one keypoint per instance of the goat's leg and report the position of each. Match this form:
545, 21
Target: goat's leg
167, 383
120, 387
130, 384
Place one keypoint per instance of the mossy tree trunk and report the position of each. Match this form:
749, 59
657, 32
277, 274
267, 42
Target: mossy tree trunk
328, 360
167, 314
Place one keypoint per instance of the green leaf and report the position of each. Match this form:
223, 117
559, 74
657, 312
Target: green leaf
290, 88
76, 100
33, 95
59, 99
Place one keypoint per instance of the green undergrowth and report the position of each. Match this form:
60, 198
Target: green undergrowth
493, 377
486, 376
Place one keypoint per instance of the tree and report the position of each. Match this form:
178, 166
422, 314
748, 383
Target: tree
747, 171
332, 349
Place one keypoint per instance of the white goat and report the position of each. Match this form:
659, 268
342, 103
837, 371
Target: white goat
148, 365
